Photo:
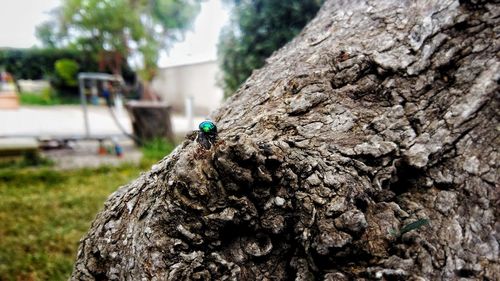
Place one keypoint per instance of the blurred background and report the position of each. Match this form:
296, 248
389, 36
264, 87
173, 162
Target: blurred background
94, 92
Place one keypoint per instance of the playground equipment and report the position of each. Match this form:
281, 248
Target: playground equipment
111, 97
149, 119
92, 79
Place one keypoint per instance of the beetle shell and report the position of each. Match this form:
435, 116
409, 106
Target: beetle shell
208, 127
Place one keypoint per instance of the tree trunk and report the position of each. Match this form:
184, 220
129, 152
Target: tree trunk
151, 120
379, 117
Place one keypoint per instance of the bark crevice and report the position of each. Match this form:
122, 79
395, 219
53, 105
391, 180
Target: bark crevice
379, 115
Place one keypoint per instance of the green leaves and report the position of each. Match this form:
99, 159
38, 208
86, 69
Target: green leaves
130, 28
409, 227
67, 69
258, 28
414, 225
39, 63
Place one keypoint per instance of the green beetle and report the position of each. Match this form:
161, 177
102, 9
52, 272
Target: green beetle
207, 134
208, 127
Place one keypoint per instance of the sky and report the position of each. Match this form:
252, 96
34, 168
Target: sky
18, 19
201, 43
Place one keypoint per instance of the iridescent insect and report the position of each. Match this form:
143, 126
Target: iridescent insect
207, 134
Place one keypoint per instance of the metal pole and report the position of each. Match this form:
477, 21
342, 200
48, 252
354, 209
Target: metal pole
189, 112
83, 101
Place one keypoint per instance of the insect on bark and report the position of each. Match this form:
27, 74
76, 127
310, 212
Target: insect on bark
207, 134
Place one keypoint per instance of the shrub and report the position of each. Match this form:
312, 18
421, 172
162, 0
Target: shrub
67, 69
59, 66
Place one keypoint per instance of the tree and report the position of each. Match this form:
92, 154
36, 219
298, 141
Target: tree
48, 35
122, 29
366, 148
257, 29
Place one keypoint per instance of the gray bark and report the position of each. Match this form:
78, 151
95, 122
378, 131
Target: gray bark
379, 114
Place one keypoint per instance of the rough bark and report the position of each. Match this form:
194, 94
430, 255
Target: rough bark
379, 114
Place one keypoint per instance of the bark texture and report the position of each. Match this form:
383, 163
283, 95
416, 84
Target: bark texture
379, 114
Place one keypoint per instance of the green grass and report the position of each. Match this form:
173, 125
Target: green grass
156, 149
47, 97
44, 213
27, 159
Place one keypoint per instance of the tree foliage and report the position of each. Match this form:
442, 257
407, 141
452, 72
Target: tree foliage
45, 33
136, 29
257, 29
67, 69
39, 63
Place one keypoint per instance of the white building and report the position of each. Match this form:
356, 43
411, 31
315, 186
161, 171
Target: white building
198, 81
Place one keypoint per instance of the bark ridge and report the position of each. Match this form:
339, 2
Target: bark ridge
366, 148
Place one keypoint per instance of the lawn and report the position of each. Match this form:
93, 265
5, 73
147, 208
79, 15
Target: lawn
44, 212
47, 97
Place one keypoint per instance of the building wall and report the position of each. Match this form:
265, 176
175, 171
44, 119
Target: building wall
175, 84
